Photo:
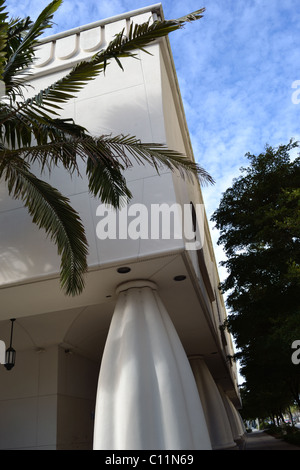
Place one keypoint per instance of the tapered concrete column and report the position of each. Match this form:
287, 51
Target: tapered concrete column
147, 396
216, 417
238, 419
233, 416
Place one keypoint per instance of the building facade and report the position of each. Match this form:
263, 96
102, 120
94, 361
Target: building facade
138, 360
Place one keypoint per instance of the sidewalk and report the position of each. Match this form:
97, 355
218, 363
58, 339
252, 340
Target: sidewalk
259, 440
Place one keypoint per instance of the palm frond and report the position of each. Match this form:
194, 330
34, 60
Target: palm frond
21, 126
107, 157
121, 46
140, 35
50, 99
66, 88
23, 50
62, 153
107, 182
3, 37
17, 29
127, 148
51, 211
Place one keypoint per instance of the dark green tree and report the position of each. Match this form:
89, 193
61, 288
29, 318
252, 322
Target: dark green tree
32, 132
258, 219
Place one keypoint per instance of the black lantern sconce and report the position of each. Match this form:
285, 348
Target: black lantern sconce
10, 355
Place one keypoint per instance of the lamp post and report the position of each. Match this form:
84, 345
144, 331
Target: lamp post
10, 355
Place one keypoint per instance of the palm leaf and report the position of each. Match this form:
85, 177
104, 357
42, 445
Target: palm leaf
22, 56
21, 126
107, 182
122, 46
17, 29
51, 211
50, 99
3, 37
60, 140
140, 35
124, 149
106, 157
62, 153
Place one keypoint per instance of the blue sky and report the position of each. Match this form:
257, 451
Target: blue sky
236, 68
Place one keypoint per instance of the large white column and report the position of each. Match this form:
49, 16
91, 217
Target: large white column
235, 420
216, 417
147, 397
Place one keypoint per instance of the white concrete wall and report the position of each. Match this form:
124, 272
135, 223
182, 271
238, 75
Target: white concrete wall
47, 401
77, 385
28, 401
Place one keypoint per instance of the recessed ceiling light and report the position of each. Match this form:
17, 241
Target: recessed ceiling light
179, 278
123, 270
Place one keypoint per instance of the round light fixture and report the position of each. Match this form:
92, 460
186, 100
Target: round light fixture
180, 278
123, 270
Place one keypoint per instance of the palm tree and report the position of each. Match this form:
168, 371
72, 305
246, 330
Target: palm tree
32, 132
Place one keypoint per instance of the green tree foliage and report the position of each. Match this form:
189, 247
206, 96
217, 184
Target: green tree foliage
32, 133
258, 219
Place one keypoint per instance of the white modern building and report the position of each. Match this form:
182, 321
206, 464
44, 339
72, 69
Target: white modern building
138, 361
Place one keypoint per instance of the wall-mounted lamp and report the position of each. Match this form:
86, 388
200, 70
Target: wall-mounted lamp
10, 355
